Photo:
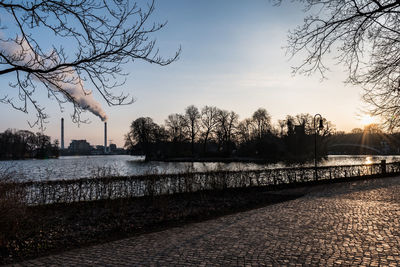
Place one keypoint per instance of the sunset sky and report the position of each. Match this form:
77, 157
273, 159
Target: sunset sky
232, 57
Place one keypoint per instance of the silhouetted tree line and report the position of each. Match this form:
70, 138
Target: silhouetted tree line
370, 140
215, 133
25, 144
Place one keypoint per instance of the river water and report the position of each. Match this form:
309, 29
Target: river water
71, 167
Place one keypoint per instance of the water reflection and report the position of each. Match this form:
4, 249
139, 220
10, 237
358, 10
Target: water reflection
368, 160
89, 166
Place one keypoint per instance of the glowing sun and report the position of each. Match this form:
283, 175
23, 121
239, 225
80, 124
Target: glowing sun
366, 120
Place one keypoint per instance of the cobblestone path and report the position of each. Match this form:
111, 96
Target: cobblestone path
354, 223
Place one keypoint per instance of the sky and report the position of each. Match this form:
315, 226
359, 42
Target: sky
232, 57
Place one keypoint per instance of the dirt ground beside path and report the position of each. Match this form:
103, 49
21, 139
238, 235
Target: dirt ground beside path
55, 228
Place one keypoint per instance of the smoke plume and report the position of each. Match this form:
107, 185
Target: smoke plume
65, 80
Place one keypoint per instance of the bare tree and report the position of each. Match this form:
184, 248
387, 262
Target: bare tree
245, 130
143, 132
60, 45
208, 122
365, 36
226, 125
282, 124
329, 128
233, 120
222, 122
176, 125
306, 120
192, 115
262, 120
373, 128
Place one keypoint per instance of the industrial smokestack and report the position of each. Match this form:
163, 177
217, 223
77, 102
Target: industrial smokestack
105, 137
62, 133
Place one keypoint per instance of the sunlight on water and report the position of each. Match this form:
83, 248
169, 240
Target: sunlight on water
368, 160
96, 166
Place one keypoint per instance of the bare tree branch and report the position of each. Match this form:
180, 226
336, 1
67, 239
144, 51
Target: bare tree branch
66, 46
365, 36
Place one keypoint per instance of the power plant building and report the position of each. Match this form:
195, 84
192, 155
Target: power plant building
82, 147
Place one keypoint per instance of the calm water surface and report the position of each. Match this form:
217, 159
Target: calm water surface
90, 166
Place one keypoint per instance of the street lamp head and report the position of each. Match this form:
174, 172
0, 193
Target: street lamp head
321, 125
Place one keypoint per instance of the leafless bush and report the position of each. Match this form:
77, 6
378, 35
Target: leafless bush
106, 183
106, 171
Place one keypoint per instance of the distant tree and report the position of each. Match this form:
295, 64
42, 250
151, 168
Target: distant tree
233, 120
85, 41
329, 128
357, 131
365, 38
55, 151
7, 143
25, 144
192, 116
262, 120
208, 123
245, 130
143, 132
373, 128
176, 126
160, 134
222, 121
226, 125
339, 133
29, 139
43, 145
305, 120
282, 124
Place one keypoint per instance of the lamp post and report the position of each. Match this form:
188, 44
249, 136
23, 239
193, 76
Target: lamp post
320, 127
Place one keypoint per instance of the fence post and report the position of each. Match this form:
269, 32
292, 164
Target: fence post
383, 166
